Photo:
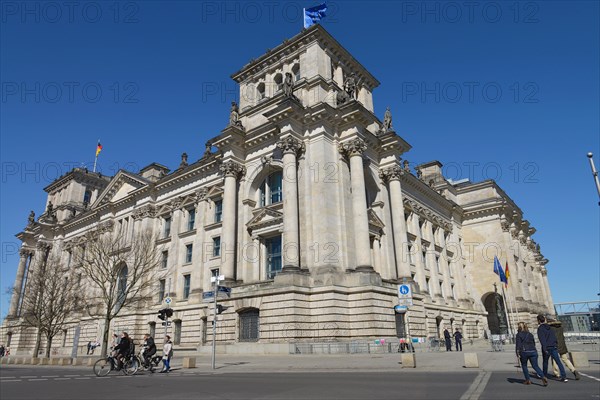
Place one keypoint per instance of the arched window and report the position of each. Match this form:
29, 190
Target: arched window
296, 72
121, 286
260, 91
249, 325
278, 82
87, 197
271, 190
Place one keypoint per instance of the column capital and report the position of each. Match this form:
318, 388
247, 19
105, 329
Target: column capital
354, 147
24, 252
232, 169
392, 173
290, 145
146, 211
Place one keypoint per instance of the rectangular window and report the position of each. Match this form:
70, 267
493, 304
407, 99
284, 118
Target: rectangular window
161, 290
275, 186
186, 286
249, 325
218, 210
437, 264
167, 229
191, 219
216, 246
273, 246
188, 252
164, 261
177, 334
424, 259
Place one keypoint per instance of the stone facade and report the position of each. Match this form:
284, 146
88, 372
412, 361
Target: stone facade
304, 204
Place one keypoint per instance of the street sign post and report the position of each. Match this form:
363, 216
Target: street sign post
405, 295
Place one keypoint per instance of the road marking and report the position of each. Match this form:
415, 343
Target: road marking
29, 376
70, 376
12, 380
7, 377
42, 379
49, 376
589, 376
477, 387
82, 378
61, 379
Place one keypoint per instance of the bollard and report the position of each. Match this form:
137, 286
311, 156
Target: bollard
408, 360
189, 362
580, 359
471, 360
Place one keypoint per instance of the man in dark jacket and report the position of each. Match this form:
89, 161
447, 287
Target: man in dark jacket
556, 326
149, 348
447, 340
549, 343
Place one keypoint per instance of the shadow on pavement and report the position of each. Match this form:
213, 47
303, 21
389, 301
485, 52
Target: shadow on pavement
521, 381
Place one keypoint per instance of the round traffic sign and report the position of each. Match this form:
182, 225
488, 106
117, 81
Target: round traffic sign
404, 289
168, 300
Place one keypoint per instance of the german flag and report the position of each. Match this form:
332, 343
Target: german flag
98, 149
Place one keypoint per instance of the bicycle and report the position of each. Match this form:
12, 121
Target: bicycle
104, 366
433, 344
153, 361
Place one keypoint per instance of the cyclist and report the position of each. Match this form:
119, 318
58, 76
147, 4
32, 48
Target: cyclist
148, 349
123, 349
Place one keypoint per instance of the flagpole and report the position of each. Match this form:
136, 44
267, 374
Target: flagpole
96, 159
506, 311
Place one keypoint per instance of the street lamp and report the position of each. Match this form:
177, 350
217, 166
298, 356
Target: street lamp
594, 173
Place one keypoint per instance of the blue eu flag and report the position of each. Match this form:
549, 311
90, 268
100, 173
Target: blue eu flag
314, 14
499, 271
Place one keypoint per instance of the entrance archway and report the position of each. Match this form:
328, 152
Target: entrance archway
494, 305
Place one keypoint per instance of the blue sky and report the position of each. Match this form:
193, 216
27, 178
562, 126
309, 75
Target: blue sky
504, 90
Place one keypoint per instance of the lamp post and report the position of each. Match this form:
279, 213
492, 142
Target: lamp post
594, 173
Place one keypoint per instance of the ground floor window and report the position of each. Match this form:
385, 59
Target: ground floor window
177, 333
249, 325
400, 326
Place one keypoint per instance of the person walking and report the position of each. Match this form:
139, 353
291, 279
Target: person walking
447, 340
458, 340
526, 351
89, 348
556, 326
167, 354
549, 347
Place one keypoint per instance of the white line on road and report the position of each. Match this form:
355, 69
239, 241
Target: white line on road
7, 377
42, 379
49, 376
29, 376
589, 376
12, 380
71, 376
477, 387
82, 378
62, 379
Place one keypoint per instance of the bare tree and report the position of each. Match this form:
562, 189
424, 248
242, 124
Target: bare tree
50, 301
118, 274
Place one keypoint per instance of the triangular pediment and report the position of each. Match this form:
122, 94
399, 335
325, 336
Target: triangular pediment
375, 223
119, 187
265, 218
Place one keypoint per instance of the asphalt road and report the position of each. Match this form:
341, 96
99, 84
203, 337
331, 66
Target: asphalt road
76, 383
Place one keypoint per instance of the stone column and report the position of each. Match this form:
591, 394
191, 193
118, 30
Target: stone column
418, 246
354, 150
377, 253
457, 268
16, 295
290, 147
200, 201
433, 273
231, 170
444, 267
549, 300
392, 176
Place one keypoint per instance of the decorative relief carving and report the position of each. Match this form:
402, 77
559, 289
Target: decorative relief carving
146, 211
232, 168
290, 144
355, 147
391, 173
106, 226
